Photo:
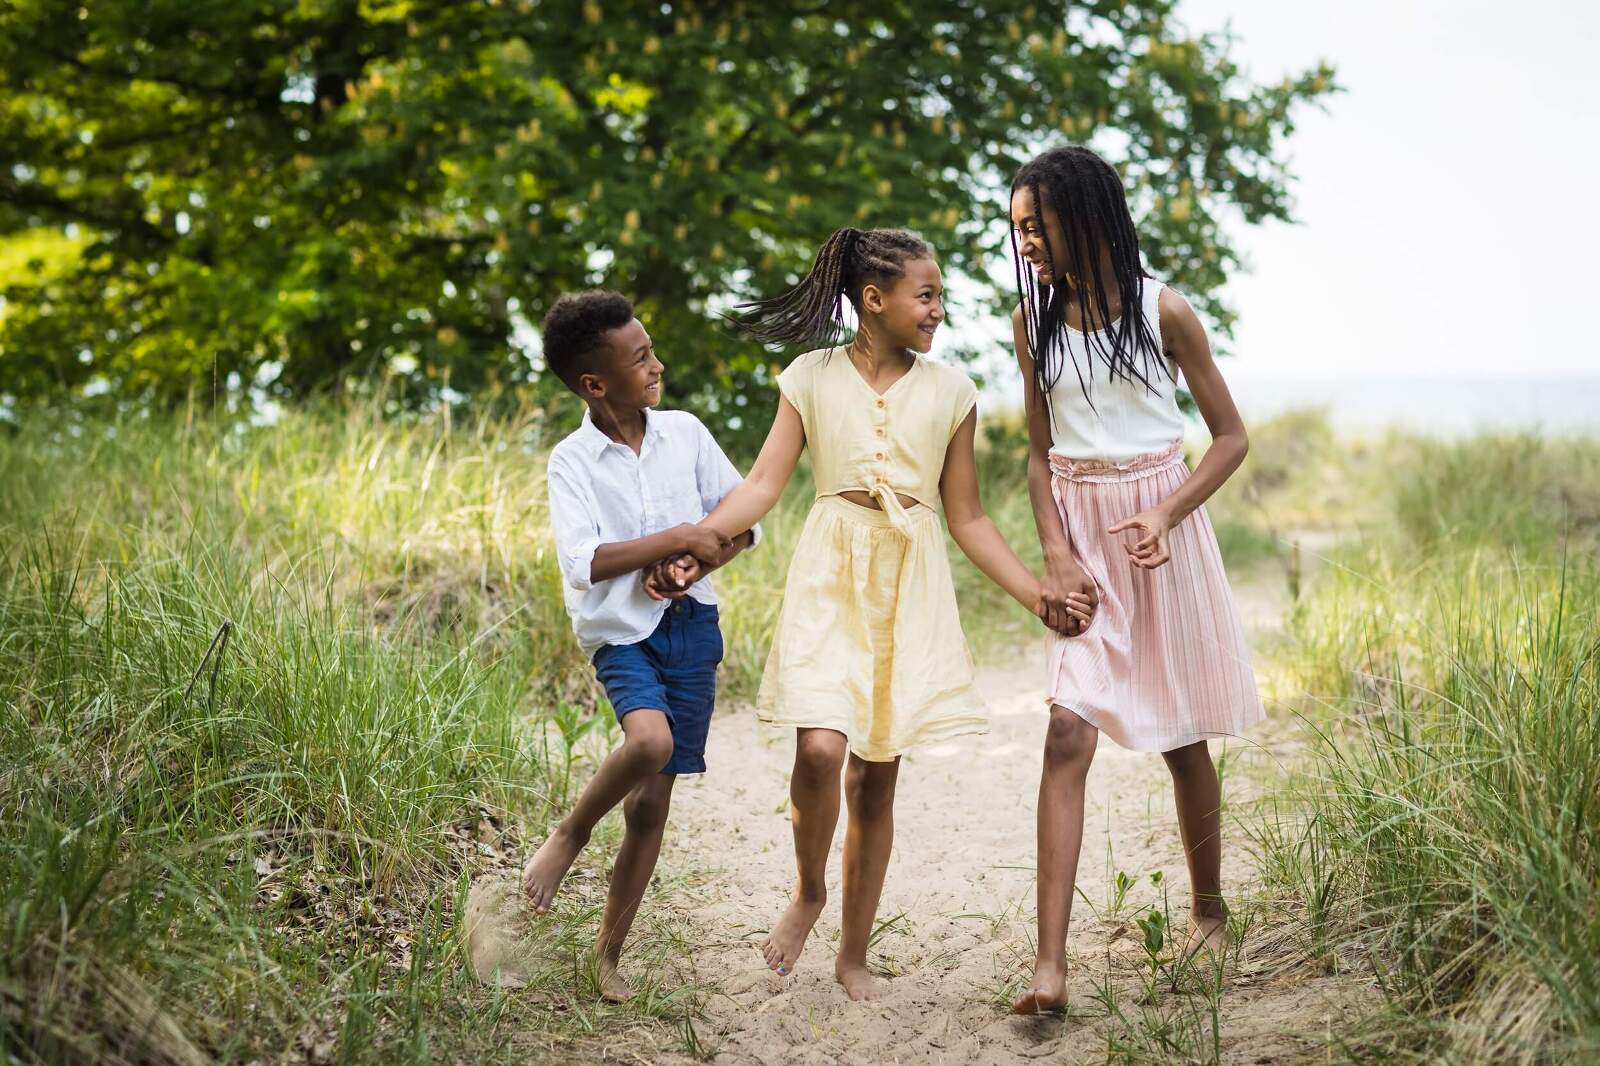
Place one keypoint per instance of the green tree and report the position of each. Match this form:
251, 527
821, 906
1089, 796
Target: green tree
307, 192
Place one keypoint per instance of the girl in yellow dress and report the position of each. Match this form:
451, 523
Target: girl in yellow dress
868, 659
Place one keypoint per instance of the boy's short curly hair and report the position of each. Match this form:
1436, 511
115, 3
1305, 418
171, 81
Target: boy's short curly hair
574, 331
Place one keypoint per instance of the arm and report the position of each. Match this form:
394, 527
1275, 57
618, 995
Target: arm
733, 502
1185, 338
624, 557
584, 560
757, 494
974, 531
1064, 580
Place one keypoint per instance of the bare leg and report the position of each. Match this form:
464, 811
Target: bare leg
1199, 801
646, 747
645, 816
869, 837
1068, 750
814, 813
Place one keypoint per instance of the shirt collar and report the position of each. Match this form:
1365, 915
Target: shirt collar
597, 442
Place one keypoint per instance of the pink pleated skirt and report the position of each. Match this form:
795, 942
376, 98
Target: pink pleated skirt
1163, 663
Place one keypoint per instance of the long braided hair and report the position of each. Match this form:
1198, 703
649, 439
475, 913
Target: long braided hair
1088, 197
810, 313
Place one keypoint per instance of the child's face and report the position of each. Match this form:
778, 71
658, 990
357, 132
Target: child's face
1032, 231
909, 311
628, 374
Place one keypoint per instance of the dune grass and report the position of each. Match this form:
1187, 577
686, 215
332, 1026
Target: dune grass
1445, 820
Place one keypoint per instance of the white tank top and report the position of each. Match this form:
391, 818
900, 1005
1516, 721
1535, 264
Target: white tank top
1127, 419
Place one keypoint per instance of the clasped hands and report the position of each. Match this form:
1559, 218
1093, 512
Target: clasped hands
704, 549
1068, 596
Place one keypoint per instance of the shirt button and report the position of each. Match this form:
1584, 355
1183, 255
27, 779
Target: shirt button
880, 431
883, 403
880, 456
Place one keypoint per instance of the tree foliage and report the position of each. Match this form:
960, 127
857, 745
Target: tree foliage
306, 193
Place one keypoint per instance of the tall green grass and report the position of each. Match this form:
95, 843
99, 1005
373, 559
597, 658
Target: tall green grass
1451, 666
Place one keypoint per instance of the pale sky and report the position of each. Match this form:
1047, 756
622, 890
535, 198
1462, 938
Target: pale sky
1447, 200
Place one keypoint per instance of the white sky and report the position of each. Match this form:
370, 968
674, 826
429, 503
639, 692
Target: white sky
1448, 201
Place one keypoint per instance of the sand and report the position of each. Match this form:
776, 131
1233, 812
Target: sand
959, 907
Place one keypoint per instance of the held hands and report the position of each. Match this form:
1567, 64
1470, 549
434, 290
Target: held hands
703, 550
1149, 550
670, 578
1068, 599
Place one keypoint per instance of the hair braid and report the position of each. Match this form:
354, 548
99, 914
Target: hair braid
848, 261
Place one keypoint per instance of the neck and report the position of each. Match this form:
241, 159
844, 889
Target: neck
869, 349
625, 425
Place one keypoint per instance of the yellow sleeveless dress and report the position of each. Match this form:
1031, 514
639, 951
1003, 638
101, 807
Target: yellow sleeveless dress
868, 641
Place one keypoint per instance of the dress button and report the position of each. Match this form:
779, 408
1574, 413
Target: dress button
883, 403
880, 456
880, 431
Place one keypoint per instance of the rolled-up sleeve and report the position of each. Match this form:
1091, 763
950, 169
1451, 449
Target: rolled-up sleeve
572, 522
717, 477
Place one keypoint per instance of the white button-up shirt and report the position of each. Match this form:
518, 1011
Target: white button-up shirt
602, 493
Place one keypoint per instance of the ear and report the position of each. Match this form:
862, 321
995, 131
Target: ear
872, 298
590, 385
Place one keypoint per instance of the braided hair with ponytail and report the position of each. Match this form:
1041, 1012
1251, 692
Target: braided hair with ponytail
810, 313
1088, 198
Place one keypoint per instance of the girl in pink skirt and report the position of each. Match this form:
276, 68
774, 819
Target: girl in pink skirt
1161, 665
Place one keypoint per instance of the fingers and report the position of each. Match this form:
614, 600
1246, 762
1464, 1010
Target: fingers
1126, 524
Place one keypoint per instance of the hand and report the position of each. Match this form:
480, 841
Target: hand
1150, 550
1068, 599
670, 578
703, 542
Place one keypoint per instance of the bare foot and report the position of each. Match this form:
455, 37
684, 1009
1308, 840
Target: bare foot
783, 945
613, 989
858, 983
542, 873
1208, 932
1046, 994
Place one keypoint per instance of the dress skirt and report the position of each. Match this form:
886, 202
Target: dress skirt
1163, 662
868, 641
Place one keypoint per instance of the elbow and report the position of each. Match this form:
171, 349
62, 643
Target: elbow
579, 570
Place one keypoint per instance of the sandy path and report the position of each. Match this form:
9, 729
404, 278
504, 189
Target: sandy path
960, 896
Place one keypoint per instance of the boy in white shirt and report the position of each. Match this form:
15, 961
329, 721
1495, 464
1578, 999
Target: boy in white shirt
627, 489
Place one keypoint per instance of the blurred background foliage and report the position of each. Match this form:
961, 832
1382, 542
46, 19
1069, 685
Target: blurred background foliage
235, 202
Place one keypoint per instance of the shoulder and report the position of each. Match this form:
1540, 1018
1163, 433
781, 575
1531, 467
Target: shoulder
802, 371
569, 456
952, 381
1171, 302
679, 423
1177, 316
807, 363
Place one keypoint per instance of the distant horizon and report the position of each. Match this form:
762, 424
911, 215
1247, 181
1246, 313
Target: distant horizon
1361, 401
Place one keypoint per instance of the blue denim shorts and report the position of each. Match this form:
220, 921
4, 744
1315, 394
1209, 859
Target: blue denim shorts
673, 670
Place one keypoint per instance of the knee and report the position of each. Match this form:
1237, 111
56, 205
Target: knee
1070, 741
643, 812
650, 749
869, 791
818, 757
1191, 762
